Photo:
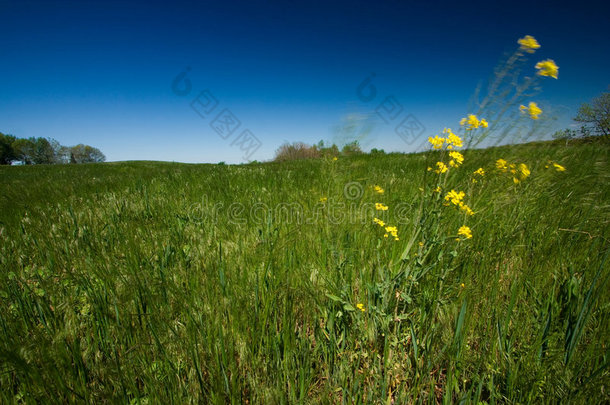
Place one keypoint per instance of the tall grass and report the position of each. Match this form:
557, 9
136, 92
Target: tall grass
132, 283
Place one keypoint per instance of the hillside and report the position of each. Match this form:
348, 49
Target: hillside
271, 282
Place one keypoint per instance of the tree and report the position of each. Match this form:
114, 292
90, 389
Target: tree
595, 117
86, 154
43, 153
352, 148
7, 152
24, 150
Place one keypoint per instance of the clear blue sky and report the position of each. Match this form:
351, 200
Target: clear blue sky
101, 72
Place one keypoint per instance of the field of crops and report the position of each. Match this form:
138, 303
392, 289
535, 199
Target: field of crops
353, 280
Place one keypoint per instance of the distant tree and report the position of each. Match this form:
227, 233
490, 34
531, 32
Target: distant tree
352, 148
43, 153
7, 151
595, 117
376, 151
24, 150
86, 154
295, 151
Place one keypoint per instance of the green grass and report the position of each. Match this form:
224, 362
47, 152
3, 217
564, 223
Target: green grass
148, 282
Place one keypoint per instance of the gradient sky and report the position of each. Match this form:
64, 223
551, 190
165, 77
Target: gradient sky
101, 72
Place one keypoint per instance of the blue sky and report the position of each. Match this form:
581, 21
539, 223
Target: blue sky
101, 72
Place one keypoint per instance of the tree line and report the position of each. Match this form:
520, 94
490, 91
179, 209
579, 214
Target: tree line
300, 150
38, 151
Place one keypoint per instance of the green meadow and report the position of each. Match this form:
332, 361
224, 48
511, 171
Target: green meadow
265, 283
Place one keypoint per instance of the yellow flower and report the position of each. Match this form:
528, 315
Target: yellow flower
436, 142
466, 209
323, 199
524, 170
521, 174
457, 159
559, 167
392, 230
462, 285
381, 207
465, 232
437, 189
528, 44
532, 109
502, 164
379, 221
360, 307
455, 197
335, 158
441, 167
378, 190
547, 68
472, 122
480, 171
421, 244
452, 139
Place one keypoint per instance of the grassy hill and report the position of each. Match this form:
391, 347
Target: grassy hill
148, 282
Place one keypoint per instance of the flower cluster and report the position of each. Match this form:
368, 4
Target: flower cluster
381, 207
479, 172
456, 159
528, 44
520, 172
547, 68
465, 231
532, 109
472, 122
457, 198
378, 189
450, 139
389, 230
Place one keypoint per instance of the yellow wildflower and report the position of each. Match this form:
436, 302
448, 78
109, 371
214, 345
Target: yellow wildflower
360, 307
378, 190
381, 207
441, 167
532, 109
379, 221
456, 159
547, 68
472, 122
455, 197
524, 170
436, 142
452, 139
323, 199
437, 189
335, 158
559, 167
466, 208
521, 174
528, 44
502, 164
392, 230
480, 171
465, 232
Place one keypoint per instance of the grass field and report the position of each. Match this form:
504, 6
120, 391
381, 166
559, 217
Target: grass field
147, 282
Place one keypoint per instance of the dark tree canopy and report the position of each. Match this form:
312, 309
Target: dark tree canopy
45, 151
